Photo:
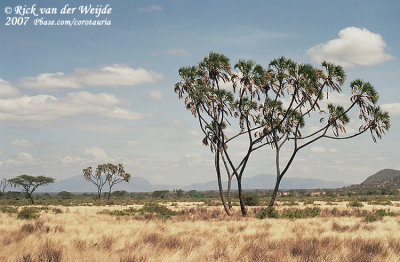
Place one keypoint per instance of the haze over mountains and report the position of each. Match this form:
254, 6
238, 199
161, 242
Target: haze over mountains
139, 184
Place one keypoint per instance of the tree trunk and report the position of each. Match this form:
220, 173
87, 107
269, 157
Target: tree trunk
221, 192
109, 195
275, 193
278, 177
30, 197
241, 197
228, 194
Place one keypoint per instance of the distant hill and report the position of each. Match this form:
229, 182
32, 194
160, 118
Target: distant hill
139, 184
382, 176
386, 178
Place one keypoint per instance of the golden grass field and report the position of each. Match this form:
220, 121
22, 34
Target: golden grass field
198, 234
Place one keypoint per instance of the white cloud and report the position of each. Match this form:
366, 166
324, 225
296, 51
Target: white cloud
393, 109
173, 51
47, 107
70, 160
318, 149
97, 153
133, 143
333, 150
25, 157
194, 133
7, 89
22, 143
22, 158
355, 46
151, 8
155, 95
109, 75
192, 156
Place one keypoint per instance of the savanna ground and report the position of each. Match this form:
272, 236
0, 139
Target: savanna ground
338, 231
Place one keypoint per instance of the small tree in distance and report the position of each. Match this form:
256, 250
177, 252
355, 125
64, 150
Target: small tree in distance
4, 183
31, 183
106, 174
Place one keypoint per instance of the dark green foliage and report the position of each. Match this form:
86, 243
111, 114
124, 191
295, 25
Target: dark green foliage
119, 194
29, 213
179, 193
149, 208
251, 199
159, 210
268, 212
355, 203
125, 212
8, 209
160, 194
302, 213
65, 195
376, 215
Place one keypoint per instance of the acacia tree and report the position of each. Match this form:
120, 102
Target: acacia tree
255, 108
106, 174
4, 183
115, 174
31, 183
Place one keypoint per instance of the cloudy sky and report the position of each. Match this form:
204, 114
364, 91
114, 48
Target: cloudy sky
73, 97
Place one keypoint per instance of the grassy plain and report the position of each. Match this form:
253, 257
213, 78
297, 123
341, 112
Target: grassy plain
201, 233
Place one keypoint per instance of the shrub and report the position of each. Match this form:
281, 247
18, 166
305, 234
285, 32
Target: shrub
159, 210
8, 209
57, 211
28, 213
268, 212
355, 203
376, 215
303, 213
125, 212
251, 199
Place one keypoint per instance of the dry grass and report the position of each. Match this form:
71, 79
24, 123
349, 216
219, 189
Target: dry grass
198, 234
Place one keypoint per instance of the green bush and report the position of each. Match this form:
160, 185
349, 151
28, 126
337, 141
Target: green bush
303, 213
125, 212
268, 212
159, 210
355, 203
8, 209
251, 199
29, 213
376, 215
148, 208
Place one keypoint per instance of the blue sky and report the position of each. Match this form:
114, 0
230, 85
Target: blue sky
80, 96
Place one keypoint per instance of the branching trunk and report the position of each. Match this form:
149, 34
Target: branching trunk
221, 191
241, 197
274, 193
29, 194
278, 176
228, 193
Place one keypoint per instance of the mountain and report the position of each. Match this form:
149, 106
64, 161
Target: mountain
139, 184
386, 178
382, 176
268, 182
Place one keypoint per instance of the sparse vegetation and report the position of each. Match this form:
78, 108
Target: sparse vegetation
29, 213
199, 233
